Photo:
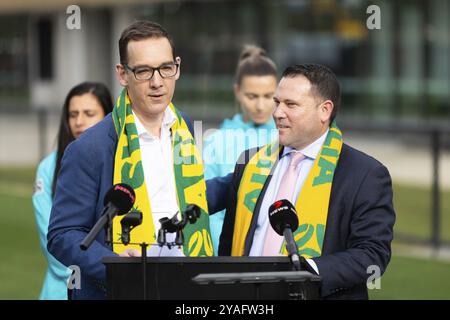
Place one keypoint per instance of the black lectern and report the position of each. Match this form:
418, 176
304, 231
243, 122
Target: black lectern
208, 278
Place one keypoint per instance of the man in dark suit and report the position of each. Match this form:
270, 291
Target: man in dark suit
342, 196
148, 70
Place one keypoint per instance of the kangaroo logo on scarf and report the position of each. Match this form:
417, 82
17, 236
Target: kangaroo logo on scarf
312, 202
189, 180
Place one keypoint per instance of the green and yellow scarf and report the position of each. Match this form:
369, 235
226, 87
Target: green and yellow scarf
189, 181
312, 202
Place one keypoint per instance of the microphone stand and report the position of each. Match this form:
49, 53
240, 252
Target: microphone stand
104, 222
108, 231
292, 248
144, 256
191, 214
144, 267
172, 225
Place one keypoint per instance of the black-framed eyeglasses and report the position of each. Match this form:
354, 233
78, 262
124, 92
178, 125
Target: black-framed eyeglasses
146, 73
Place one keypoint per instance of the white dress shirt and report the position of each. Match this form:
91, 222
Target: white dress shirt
157, 162
310, 152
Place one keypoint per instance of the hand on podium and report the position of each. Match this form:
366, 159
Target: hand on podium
130, 252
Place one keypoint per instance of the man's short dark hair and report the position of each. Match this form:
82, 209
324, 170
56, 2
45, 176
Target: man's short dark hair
323, 82
141, 30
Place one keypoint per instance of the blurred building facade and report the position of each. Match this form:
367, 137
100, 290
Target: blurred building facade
399, 71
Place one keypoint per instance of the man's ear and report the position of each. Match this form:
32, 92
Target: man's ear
326, 109
121, 75
178, 61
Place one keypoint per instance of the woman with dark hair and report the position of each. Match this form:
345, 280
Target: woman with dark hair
85, 105
254, 87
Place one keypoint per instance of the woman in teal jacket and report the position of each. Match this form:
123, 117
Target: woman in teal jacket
85, 105
255, 85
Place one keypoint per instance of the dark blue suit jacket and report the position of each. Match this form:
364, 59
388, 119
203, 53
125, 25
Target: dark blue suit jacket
85, 176
359, 227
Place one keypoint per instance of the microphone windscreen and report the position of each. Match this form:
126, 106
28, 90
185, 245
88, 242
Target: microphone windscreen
281, 214
121, 196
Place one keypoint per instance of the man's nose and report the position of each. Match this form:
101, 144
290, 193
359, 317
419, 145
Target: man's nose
156, 81
278, 112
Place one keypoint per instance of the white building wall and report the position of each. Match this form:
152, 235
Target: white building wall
79, 55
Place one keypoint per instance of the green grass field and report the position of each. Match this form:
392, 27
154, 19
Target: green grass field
23, 266
412, 278
413, 207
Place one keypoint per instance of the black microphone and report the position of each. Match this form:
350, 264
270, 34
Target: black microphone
129, 222
120, 197
283, 219
118, 201
191, 214
171, 225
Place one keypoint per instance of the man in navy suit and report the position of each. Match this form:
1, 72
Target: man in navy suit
360, 217
148, 69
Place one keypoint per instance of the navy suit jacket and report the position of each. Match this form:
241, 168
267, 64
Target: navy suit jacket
359, 226
85, 176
